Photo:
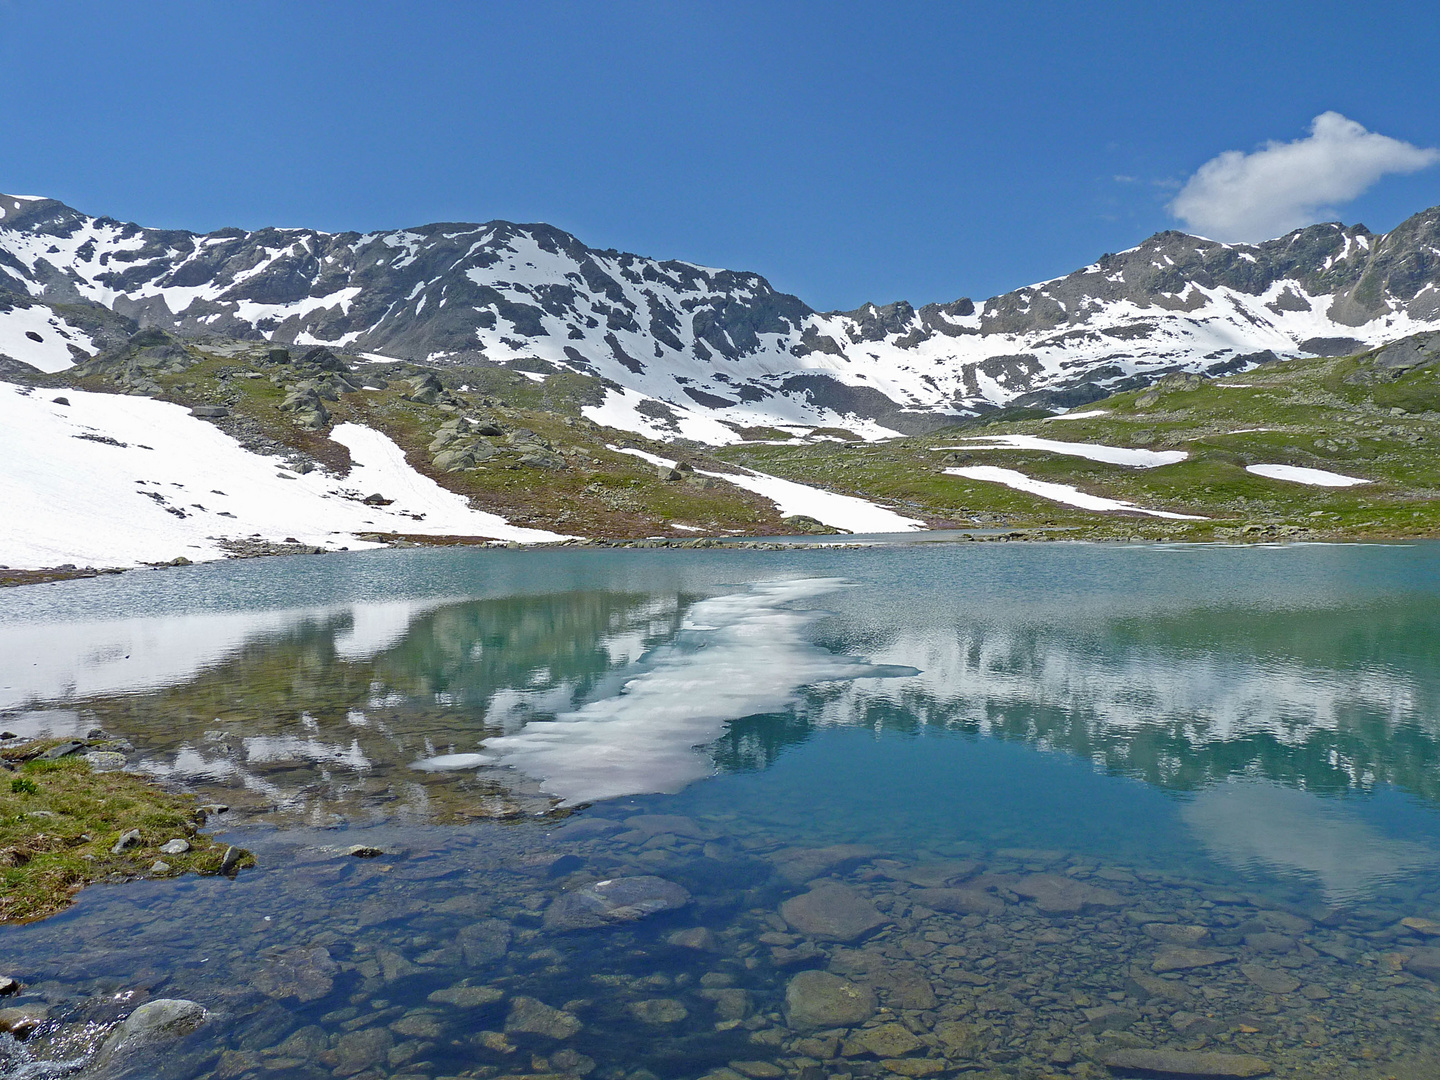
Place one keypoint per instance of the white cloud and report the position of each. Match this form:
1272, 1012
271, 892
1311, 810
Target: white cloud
1283, 186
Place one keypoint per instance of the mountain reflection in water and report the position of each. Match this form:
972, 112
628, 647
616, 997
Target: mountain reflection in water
448, 709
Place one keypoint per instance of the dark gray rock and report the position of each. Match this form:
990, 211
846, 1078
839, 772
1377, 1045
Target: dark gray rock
1199, 1066
484, 941
618, 900
306, 974
533, 1017
832, 912
817, 1000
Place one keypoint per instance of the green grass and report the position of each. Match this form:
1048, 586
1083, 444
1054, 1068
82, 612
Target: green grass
60, 819
1340, 414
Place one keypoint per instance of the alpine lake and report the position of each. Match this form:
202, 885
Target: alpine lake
976, 810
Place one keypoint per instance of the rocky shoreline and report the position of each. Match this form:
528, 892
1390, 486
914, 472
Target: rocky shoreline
656, 945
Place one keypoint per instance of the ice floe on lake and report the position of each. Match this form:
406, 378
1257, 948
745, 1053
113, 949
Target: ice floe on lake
739, 655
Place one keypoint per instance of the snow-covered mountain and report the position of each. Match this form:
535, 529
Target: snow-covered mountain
696, 351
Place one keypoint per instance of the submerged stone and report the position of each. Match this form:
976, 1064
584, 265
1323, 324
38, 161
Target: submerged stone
357, 1051
799, 865
1186, 1064
1176, 934
1058, 894
659, 1011
889, 1041
301, 973
484, 941
1424, 962
533, 1017
818, 999
467, 997
961, 901
618, 900
832, 912
1271, 980
1175, 958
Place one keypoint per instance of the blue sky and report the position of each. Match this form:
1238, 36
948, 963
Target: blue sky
848, 152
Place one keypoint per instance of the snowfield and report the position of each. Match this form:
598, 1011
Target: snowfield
1061, 493
111, 480
1112, 455
838, 511
1299, 475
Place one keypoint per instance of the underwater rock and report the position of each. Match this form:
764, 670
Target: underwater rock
155, 1021
533, 1017
618, 900
1269, 979
357, 1051
1186, 1064
483, 941
832, 912
301, 973
466, 997
659, 1011
1174, 958
818, 999
1057, 894
799, 865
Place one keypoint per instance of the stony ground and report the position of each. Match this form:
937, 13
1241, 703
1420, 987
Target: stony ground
656, 946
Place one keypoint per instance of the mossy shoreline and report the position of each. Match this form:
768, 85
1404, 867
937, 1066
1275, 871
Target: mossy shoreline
69, 821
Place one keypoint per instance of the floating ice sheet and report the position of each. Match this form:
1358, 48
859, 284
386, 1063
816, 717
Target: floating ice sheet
736, 656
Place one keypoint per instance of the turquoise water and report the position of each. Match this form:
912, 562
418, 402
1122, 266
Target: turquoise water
1040, 757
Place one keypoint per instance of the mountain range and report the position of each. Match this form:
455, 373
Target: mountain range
689, 350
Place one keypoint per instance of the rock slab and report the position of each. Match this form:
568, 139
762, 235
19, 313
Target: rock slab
1175, 958
533, 1017
1183, 1063
818, 999
832, 912
618, 900
1057, 894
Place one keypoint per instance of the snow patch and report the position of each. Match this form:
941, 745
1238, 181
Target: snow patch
112, 480
1298, 475
1061, 493
838, 511
1110, 455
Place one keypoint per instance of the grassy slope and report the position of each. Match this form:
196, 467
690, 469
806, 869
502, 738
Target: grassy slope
1337, 414
1333, 414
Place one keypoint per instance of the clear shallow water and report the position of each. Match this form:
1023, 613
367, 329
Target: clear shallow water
1087, 743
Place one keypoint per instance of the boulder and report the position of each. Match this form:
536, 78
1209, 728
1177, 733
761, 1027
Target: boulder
357, 1051
614, 901
799, 865
1197, 1066
484, 941
961, 901
817, 1000
659, 1011
156, 1021
832, 912
300, 973
533, 1017
467, 997
1174, 958
1058, 894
